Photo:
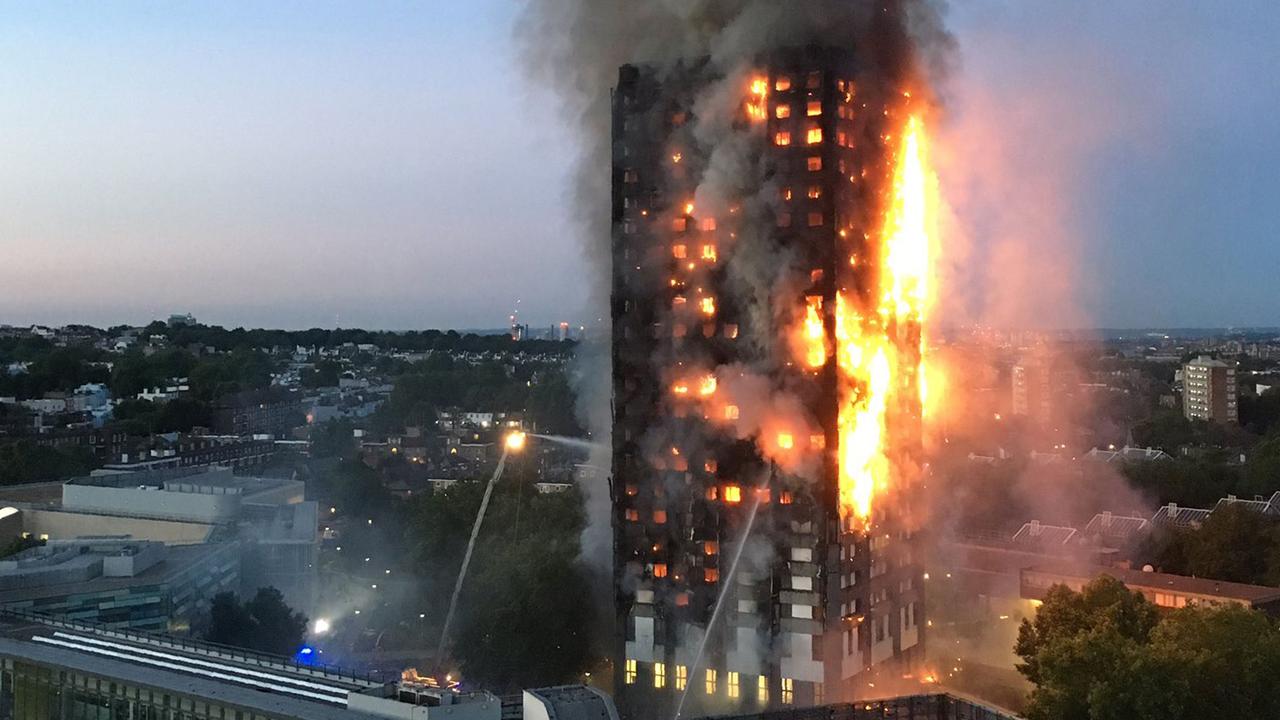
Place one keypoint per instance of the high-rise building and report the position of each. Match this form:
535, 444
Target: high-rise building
1209, 391
808, 608
1032, 389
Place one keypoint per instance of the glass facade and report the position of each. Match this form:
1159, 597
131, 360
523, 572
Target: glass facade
30, 691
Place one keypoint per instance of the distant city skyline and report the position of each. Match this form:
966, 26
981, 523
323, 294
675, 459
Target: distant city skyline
389, 165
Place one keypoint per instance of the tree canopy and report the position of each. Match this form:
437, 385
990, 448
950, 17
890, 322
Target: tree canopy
264, 623
1106, 653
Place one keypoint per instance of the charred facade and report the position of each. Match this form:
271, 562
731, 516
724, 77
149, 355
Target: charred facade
728, 265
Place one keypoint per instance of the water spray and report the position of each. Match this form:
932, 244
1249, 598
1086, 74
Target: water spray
513, 443
724, 592
577, 443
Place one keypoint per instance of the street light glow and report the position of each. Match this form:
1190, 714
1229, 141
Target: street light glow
515, 441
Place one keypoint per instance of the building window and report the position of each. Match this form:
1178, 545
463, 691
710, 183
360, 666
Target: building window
788, 691
630, 176
711, 681
784, 220
680, 251
814, 81
732, 494
815, 192
660, 517
711, 575
731, 331
782, 139
707, 224
762, 690
733, 684
815, 163
682, 677
679, 224
633, 515
659, 675
782, 84
817, 694
786, 194
814, 108
659, 570
814, 136
629, 675
782, 112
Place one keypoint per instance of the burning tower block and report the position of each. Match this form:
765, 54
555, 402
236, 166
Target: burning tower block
770, 280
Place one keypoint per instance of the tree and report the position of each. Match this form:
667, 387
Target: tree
265, 623
1106, 654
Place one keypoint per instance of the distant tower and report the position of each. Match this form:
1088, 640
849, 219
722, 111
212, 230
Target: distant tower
1209, 391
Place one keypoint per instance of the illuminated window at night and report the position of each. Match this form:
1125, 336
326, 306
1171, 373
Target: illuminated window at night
788, 691
815, 219
632, 490
711, 575
782, 112
660, 517
713, 492
784, 497
814, 136
682, 677
814, 108
682, 600
817, 442
707, 224
783, 83
732, 684
842, 139
815, 192
732, 494
680, 251
711, 681
815, 164
633, 515
786, 194
659, 570
659, 675
762, 690
710, 547
731, 412
679, 224
630, 672
731, 331
710, 466
782, 138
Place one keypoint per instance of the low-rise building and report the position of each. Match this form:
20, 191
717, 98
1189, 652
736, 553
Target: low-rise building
1165, 590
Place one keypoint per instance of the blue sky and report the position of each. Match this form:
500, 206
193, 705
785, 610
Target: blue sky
385, 164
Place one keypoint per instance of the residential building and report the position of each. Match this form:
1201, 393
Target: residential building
1209, 391
1164, 590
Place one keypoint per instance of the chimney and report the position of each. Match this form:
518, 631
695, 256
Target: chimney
1106, 518
1035, 527
1172, 510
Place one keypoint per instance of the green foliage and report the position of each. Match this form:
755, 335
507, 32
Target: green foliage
1106, 654
54, 369
325, 374
18, 544
1234, 544
1191, 483
521, 621
265, 623
180, 415
26, 462
1260, 414
334, 438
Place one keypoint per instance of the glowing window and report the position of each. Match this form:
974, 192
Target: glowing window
815, 163
732, 494
814, 136
632, 490
682, 599
815, 192
680, 251
711, 681
660, 516
659, 570
732, 684
713, 493
817, 442
659, 675
784, 497
731, 412
711, 575
710, 547
782, 112
762, 690
814, 108
815, 219
782, 83
710, 466
782, 139
786, 194
707, 224
679, 224
630, 672
633, 515
682, 677
788, 691
731, 331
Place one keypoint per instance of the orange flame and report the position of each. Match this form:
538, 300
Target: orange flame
880, 350
815, 335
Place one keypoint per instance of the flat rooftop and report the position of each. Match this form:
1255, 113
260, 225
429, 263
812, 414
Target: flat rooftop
177, 559
1254, 594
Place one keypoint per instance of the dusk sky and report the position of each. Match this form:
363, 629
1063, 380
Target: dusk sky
388, 165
